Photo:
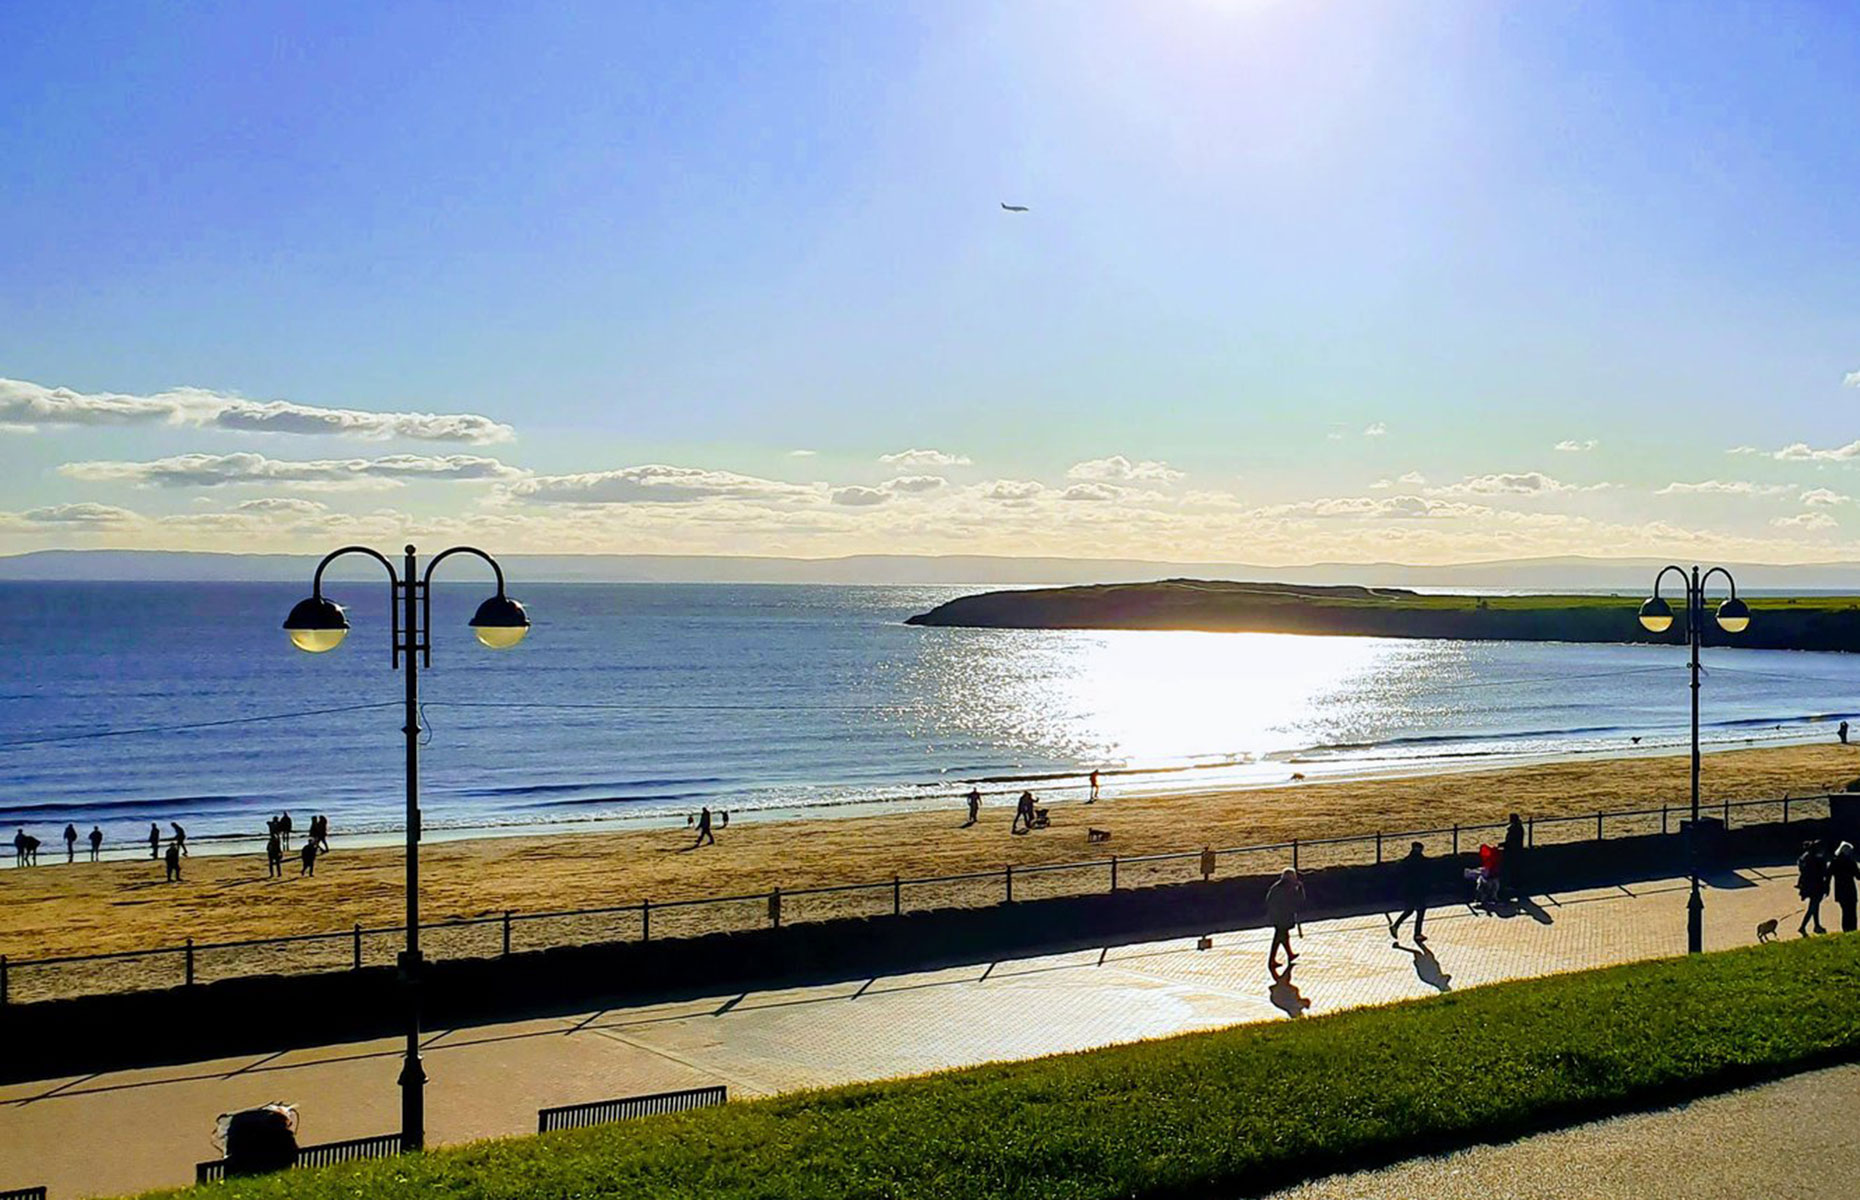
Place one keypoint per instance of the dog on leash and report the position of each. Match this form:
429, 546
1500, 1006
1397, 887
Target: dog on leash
1766, 931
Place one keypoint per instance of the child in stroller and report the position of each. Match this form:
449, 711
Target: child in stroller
1484, 877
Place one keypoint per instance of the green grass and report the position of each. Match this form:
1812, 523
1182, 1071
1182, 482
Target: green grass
1225, 1113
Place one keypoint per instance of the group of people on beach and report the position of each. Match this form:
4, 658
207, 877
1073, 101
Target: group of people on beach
26, 847
1028, 816
278, 840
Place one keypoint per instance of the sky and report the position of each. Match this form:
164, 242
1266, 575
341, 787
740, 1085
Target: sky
1430, 281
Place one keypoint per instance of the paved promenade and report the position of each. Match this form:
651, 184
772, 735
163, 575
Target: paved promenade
120, 1132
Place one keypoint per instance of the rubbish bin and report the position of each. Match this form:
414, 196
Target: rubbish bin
259, 1140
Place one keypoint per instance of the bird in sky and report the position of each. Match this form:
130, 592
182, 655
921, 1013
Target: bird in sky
1014, 207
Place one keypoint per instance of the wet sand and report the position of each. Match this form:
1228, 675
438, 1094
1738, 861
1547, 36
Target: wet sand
87, 909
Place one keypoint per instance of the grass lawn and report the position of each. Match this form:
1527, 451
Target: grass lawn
1216, 1114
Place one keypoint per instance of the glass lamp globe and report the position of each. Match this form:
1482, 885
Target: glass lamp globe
500, 623
1734, 616
317, 625
1656, 616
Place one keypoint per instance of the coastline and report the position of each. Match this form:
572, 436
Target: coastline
86, 909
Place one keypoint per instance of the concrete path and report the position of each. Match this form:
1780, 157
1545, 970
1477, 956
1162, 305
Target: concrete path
488, 1081
1798, 1139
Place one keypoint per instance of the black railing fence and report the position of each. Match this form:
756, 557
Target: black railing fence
190, 963
602, 1112
385, 1145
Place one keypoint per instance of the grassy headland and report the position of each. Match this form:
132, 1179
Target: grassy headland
1777, 623
1234, 1112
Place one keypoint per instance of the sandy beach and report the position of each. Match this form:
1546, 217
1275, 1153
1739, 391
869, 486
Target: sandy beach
86, 909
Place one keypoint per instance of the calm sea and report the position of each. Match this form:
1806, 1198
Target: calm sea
124, 704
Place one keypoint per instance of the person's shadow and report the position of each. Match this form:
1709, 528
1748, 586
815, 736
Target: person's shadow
1520, 906
1285, 996
1427, 967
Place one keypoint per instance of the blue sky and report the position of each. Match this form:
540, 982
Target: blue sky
1300, 281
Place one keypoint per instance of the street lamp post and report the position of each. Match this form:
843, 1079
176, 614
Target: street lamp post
1656, 616
318, 625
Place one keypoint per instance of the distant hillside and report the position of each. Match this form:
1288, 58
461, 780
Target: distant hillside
1777, 623
1535, 574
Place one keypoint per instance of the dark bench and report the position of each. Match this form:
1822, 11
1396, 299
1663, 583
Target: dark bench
580, 1116
385, 1145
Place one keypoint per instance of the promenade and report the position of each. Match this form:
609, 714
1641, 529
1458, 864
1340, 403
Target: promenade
124, 1131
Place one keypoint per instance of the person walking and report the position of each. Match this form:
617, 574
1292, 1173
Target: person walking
274, 856
1811, 884
1023, 814
1845, 872
173, 859
284, 828
975, 806
154, 840
309, 858
96, 842
1283, 900
319, 832
1843, 733
19, 847
1414, 888
1094, 786
180, 838
70, 843
704, 833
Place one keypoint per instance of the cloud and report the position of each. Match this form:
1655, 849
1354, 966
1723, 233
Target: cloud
1013, 491
1397, 508
1851, 379
217, 470
28, 405
1802, 452
655, 483
915, 484
1118, 469
1573, 446
1808, 521
1095, 493
923, 458
1411, 479
1726, 488
802, 453
78, 514
289, 506
859, 496
1523, 483
1376, 429
1823, 498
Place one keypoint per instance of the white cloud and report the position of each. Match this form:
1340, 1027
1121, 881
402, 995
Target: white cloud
1397, 508
1377, 429
1574, 446
1097, 493
1411, 479
216, 470
27, 405
1851, 379
1013, 491
1802, 452
923, 458
1522, 483
1808, 521
859, 496
1824, 498
78, 514
802, 453
287, 506
1724, 487
914, 484
656, 483
1118, 469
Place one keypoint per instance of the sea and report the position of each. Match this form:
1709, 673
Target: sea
632, 705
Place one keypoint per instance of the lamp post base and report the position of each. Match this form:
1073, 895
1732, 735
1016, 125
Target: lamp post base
1695, 920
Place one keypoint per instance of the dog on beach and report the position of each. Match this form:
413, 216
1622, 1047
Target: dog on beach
1098, 835
1766, 931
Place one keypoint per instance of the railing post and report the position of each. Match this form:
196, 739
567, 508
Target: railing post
357, 959
1727, 814
1114, 872
775, 908
1785, 808
1010, 883
897, 897
1294, 854
645, 920
1456, 841
506, 933
1598, 827
1378, 847
2, 979
1207, 863
1530, 833
189, 962
1662, 817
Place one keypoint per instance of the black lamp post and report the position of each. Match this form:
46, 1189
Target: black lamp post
317, 625
1733, 616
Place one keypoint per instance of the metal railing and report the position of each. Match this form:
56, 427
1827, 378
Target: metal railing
509, 932
33, 1193
603, 1112
385, 1145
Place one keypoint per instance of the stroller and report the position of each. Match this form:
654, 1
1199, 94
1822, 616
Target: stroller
1485, 876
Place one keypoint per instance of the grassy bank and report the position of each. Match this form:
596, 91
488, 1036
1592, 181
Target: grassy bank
1231, 1112
1777, 622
